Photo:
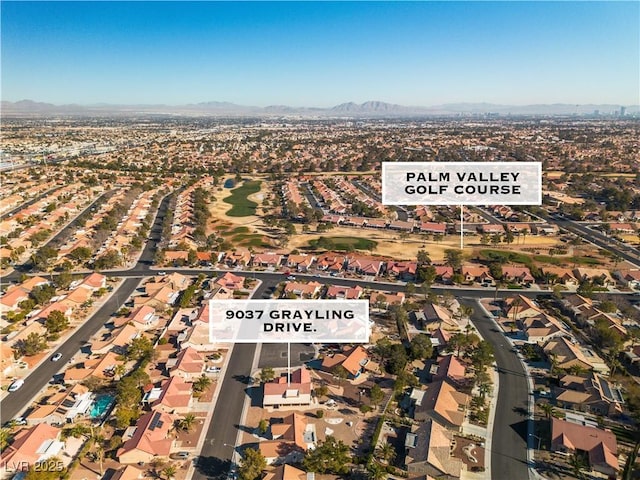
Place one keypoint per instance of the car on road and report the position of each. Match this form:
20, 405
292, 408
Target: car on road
162, 274
16, 385
291, 277
56, 357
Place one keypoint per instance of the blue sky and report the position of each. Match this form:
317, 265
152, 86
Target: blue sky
321, 54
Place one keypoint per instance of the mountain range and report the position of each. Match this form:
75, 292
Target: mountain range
350, 109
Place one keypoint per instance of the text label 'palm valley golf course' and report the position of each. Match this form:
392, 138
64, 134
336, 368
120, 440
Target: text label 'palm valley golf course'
462, 183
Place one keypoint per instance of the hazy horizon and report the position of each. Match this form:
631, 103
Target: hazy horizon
321, 54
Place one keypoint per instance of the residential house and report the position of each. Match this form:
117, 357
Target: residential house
443, 403
302, 289
354, 360
173, 396
516, 274
103, 367
188, 364
541, 328
331, 262
451, 369
302, 263
428, 452
117, 341
344, 293
269, 260
405, 271
280, 393
286, 472
444, 273
590, 393
62, 407
386, 298
94, 281
433, 317
148, 440
567, 354
597, 275
144, 317
433, 228
230, 281
629, 278
290, 439
559, 275
239, 257
128, 473
519, 307
364, 266
477, 273
10, 301
31, 446
600, 445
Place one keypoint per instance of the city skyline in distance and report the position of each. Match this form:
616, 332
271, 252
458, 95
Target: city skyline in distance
321, 55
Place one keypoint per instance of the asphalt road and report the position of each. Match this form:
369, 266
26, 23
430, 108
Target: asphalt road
627, 253
509, 437
217, 451
14, 403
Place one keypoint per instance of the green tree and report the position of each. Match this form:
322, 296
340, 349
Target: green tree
32, 345
263, 426
330, 456
169, 472
252, 464
376, 394
140, 348
386, 452
267, 374
41, 294
453, 257
375, 471
201, 384
56, 322
421, 347
423, 258
187, 422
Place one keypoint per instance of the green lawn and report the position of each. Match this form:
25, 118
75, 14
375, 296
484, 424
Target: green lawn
343, 243
241, 205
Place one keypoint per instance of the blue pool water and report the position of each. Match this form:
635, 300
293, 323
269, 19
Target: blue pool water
229, 183
101, 405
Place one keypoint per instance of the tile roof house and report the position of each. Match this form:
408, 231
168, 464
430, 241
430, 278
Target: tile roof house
95, 281
444, 273
562, 276
433, 317
30, 446
144, 317
128, 473
301, 263
103, 367
279, 393
11, 299
629, 278
331, 262
286, 472
267, 260
596, 274
364, 266
520, 307
589, 393
451, 369
428, 452
63, 407
354, 360
386, 298
405, 271
301, 289
600, 445
188, 364
174, 396
230, 281
476, 273
344, 293
442, 402
568, 354
520, 275
149, 439
290, 439
240, 256
117, 340
541, 328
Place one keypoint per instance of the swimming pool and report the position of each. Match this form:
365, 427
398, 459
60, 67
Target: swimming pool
101, 405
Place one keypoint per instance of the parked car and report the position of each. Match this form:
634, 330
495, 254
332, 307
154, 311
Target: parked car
179, 455
16, 385
213, 370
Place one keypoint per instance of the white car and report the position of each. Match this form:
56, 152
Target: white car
16, 385
213, 370
56, 357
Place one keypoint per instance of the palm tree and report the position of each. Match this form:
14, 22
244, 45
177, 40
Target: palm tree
375, 472
187, 422
119, 371
169, 472
202, 383
386, 452
97, 446
577, 464
548, 409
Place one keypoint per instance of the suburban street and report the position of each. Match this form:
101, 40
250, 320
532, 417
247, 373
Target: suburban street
509, 437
